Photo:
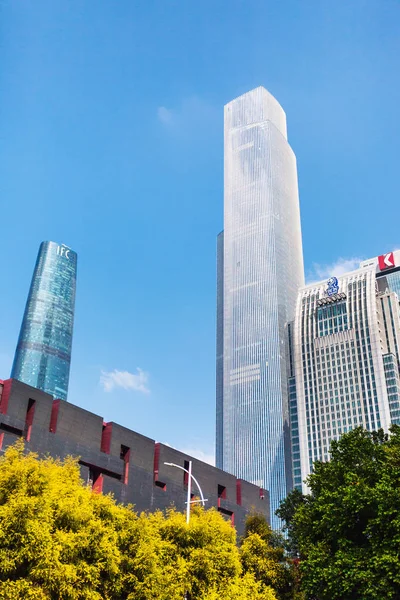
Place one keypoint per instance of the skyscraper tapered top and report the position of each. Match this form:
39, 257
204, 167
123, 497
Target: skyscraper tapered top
256, 106
260, 269
43, 354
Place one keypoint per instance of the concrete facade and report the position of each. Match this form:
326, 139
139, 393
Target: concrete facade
115, 459
345, 359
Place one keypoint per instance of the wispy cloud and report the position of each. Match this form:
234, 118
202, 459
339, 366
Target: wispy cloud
123, 379
337, 268
165, 115
193, 113
206, 457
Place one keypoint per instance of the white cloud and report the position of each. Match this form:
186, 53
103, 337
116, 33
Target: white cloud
338, 268
165, 115
193, 114
200, 454
123, 379
206, 457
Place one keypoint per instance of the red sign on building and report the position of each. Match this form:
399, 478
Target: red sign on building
386, 261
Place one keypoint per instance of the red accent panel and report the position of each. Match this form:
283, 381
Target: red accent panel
156, 460
1, 440
126, 467
98, 483
125, 476
29, 419
54, 416
5, 396
186, 475
157, 482
233, 519
262, 494
386, 261
239, 492
106, 438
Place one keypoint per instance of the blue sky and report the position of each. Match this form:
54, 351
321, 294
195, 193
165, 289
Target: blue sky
111, 141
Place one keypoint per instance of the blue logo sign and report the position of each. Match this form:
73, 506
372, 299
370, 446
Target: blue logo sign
333, 286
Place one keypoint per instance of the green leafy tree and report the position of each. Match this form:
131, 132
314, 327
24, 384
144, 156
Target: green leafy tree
347, 529
286, 513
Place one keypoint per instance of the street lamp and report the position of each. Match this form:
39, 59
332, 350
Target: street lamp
189, 492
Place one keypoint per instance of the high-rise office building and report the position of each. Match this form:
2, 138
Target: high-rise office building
43, 354
345, 345
260, 269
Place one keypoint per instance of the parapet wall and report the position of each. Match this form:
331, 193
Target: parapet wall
115, 459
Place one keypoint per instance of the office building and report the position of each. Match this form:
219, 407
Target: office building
260, 269
345, 343
43, 354
115, 459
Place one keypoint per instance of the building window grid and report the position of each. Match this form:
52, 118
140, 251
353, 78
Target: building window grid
332, 318
360, 381
394, 330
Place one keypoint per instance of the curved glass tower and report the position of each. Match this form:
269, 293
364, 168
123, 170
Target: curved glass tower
43, 354
260, 269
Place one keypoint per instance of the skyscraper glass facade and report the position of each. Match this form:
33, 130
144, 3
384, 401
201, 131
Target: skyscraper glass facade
43, 354
391, 282
260, 269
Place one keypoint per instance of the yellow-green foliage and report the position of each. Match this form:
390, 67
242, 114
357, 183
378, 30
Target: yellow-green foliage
54, 532
61, 541
263, 556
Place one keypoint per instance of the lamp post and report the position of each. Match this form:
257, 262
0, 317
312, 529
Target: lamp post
189, 492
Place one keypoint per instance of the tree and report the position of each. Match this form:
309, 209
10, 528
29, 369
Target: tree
201, 558
59, 540
263, 555
286, 512
348, 528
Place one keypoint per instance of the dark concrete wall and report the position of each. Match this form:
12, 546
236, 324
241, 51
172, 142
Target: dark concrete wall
118, 460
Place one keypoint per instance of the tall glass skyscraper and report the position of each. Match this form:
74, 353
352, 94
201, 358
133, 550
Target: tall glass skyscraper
260, 269
43, 354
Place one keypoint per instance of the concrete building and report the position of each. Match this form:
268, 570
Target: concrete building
115, 459
344, 368
260, 269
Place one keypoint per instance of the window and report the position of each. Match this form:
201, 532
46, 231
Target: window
30, 411
96, 479
222, 492
186, 475
96, 475
161, 485
157, 482
10, 429
125, 456
228, 514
